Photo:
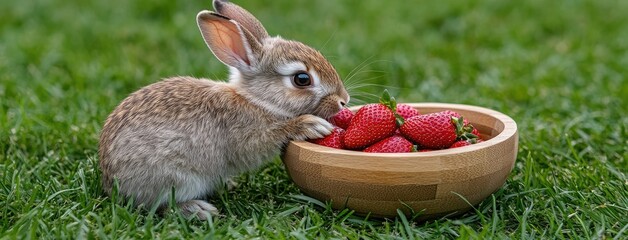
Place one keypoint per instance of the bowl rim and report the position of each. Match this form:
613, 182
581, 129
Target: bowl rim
510, 129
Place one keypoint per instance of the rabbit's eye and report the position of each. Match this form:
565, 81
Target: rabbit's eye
302, 79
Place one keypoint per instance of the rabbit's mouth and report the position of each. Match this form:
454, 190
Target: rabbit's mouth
330, 106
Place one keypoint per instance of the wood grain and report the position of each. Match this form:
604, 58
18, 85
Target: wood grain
432, 182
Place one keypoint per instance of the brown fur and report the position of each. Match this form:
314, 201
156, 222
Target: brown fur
194, 134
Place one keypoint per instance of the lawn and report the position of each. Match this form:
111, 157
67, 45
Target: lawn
559, 68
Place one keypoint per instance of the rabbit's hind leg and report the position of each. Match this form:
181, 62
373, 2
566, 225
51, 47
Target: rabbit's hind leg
198, 208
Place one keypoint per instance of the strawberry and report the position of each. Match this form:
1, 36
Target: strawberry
334, 139
372, 123
397, 132
342, 118
462, 143
433, 130
437, 130
406, 111
394, 144
451, 113
475, 132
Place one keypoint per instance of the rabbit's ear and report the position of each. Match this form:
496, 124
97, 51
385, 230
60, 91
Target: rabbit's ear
243, 17
232, 44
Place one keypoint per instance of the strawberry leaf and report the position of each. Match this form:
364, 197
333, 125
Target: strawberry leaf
388, 101
385, 98
391, 103
469, 136
458, 125
463, 132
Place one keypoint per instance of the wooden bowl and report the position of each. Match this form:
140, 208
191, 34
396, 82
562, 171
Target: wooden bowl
436, 183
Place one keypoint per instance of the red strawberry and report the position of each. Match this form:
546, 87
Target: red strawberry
451, 113
406, 111
372, 123
476, 132
342, 118
394, 144
434, 130
462, 143
334, 139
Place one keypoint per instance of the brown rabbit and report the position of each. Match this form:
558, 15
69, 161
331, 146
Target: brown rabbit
192, 134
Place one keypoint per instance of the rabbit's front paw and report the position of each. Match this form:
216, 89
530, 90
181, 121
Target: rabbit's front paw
312, 127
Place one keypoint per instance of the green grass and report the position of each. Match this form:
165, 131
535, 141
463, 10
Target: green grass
557, 67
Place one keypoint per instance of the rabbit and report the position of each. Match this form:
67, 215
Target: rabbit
192, 135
